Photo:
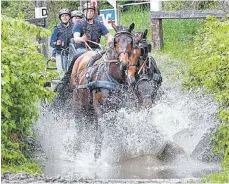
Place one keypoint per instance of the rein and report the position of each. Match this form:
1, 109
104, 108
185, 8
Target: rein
141, 68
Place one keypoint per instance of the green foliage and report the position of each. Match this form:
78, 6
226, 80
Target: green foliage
22, 81
29, 167
179, 35
221, 177
140, 16
23, 9
209, 69
178, 5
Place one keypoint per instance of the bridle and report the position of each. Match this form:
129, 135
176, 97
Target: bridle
123, 51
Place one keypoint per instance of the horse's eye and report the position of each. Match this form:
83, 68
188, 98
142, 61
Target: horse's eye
117, 39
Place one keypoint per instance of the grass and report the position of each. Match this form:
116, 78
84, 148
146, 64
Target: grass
140, 17
178, 34
29, 167
221, 177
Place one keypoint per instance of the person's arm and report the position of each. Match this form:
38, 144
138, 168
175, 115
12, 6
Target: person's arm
109, 38
79, 39
76, 34
53, 38
106, 34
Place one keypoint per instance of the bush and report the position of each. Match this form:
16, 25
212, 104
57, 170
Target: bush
22, 83
210, 69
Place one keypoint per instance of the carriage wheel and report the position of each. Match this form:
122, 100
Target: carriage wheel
59, 87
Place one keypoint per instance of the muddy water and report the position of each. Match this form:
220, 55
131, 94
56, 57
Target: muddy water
133, 139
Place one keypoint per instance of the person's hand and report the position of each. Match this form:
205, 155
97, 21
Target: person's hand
110, 41
53, 59
110, 44
58, 42
84, 38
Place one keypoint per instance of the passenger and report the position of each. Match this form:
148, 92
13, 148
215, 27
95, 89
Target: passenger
60, 38
76, 16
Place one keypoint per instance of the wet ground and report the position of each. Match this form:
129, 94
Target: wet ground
25, 178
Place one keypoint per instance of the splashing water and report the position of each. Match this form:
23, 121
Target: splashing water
132, 138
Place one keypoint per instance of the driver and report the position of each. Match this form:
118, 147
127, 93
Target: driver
86, 30
89, 29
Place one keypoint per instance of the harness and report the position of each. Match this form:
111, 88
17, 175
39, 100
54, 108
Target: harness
136, 87
103, 67
111, 84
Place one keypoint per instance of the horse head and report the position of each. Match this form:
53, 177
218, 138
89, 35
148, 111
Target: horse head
145, 87
123, 45
137, 54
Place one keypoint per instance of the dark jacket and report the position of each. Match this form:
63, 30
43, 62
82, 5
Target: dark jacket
95, 31
60, 32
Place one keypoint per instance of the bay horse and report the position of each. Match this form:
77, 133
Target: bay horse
93, 84
97, 82
148, 76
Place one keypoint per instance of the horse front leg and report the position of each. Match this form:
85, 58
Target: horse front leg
98, 98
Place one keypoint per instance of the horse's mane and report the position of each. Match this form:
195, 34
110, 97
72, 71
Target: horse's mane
110, 53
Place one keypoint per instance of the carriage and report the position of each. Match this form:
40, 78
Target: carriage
69, 53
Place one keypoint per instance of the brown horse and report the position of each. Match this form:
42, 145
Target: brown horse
122, 65
93, 84
148, 76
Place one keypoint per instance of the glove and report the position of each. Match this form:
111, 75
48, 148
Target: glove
58, 42
84, 38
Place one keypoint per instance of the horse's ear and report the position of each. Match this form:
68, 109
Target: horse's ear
131, 28
145, 33
139, 36
114, 27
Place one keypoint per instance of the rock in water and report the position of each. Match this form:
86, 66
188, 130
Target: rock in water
204, 150
171, 152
